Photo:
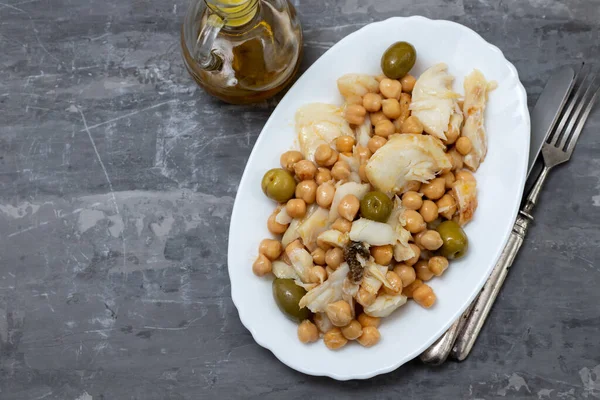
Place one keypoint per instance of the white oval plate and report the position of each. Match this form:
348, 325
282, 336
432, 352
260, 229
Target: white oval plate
411, 329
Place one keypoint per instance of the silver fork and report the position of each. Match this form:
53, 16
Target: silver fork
557, 150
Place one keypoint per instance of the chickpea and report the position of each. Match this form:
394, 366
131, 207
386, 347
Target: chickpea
355, 114
344, 144
377, 117
412, 125
447, 206
451, 136
429, 211
370, 336
456, 159
307, 332
390, 88
307, 191
414, 221
449, 179
334, 339
353, 330
270, 248
464, 145
339, 313
363, 154
323, 154
289, 158
407, 274
368, 321
384, 128
464, 175
417, 239
348, 207
391, 108
296, 244
438, 265
318, 256
396, 282
354, 99
325, 193
305, 170
372, 102
413, 186
409, 290
376, 142
422, 270
342, 225
261, 266
275, 227
435, 189
317, 274
412, 261
408, 83
405, 100
296, 208
412, 200
382, 254
365, 298
362, 173
431, 240
424, 296
340, 170
334, 257
323, 175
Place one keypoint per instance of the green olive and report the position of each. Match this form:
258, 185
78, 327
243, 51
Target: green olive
455, 240
398, 59
279, 185
376, 206
287, 295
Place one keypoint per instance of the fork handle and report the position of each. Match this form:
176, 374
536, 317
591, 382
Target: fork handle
467, 337
535, 191
439, 351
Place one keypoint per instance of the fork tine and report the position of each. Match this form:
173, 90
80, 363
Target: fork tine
580, 80
573, 139
581, 103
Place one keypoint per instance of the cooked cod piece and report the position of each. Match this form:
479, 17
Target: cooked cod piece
319, 123
476, 90
434, 103
404, 158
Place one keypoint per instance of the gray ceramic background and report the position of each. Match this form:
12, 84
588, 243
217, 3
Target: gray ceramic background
117, 178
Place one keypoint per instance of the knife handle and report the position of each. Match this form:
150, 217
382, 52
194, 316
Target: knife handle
439, 351
467, 337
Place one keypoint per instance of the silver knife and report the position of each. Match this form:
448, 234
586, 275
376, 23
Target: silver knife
543, 118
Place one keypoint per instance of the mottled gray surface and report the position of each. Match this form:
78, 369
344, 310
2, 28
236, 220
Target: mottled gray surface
117, 178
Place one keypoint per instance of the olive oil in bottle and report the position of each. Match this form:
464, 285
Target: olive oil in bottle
242, 51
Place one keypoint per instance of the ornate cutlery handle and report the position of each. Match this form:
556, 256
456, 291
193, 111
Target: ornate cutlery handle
439, 351
484, 302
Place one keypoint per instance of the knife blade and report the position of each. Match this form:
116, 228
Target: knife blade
543, 118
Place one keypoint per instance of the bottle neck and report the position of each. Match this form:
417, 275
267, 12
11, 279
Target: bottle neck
234, 13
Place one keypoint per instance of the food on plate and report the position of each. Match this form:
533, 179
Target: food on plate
376, 206
287, 295
435, 104
476, 91
279, 185
398, 60
373, 204
405, 158
455, 240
